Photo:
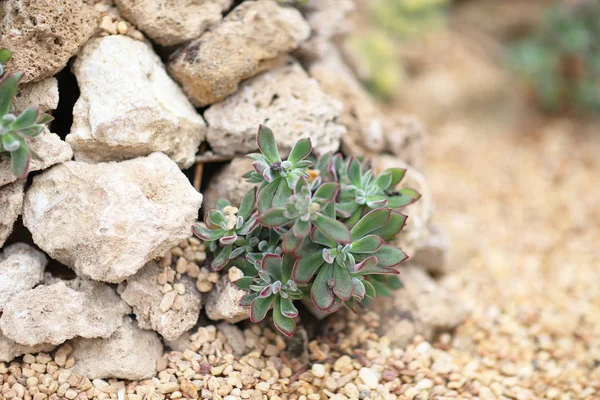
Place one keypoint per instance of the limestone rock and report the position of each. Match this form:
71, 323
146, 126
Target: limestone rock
10, 349
130, 353
44, 34
113, 218
11, 206
416, 232
129, 106
55, 313
235, 337
21, 268
327, 19
173, 22
405, 137
143, 293
433, 252
223, 302
252, 38
50, 150
284, 98
364, 122
421, 307
43, 94
229, 183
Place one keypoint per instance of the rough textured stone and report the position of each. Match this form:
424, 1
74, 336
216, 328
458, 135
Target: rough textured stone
112, 217
251, 38
143, 293
405, 137
61, 311
235, 337
21, 268
50, 150
364, 122
129, 353
43, 94
416, 232
11, 206
433, 252
44, 34
129, 106
285, 99
229, 183
173, 22
10, 349
327, 19
222, 302
420, 307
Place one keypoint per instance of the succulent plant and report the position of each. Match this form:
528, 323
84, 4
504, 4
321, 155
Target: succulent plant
16, 130
321, 234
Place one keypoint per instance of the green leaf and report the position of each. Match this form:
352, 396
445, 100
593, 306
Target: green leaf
404, 197
359, 289
282, 194
222, 258
27, 118
389, 256
300, 151
8, 90
221, 203
321, 293
353, 171
267, 145
390, 230
369, 289
381, 289
20, 160
347, 208
287, 308
333, 229
369, 266
244, 282
273, 217
397, 175
301, 228
259, 307
367, 244
319, 238
272, 264
342, 283
214, 217
34, 131
384, 180
5, 55
327, 191
394, 282
291, 242
247, 300
306, 267
287, 267
284, 324
266, 194
44, 119
10, 143
247, 204
371, 221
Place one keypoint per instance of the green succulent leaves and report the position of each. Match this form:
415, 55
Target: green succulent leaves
318, 229
16, 130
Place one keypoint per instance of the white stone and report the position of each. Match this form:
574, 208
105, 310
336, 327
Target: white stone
11, 206
129, 106
112, 217
222, 302
9, 349
21, 268
129, 353
286, 100
370, 377
61, 311
43, 94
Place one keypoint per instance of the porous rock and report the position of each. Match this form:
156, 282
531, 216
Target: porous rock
61, 311
11, 206
173, 22
285, 99
405, 137
222, 302
421, 307
229, 183
44, 34
235, 337
9, 349
252, 38
112, 217
43, 94
327, 19
129, 106
21, 268
50, 150
129, 353
416, 232
432, 254
143, 293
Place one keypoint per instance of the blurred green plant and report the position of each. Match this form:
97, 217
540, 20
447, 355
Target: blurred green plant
560, 61
16, 130
407, 18
315, 229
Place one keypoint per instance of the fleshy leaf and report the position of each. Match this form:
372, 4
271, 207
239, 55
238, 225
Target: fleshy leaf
288, 309
404, 198
20, 160
359, 289
384, 180
291, 242
8, 89
327, 191
367, 244
394, 282
27, 118
266, 194
5, 55
287, 267
321, 293
247, 300
247, 204
272, 264
273, 217
205, 234
353, 171
300, 151
397, 175
305, 268
10, 143
369, 289
282, 194
342, 283
284, 324
390, 230
371, 221
259, 308
222, 259
244, 282
267, 145
332, 228
389, 256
